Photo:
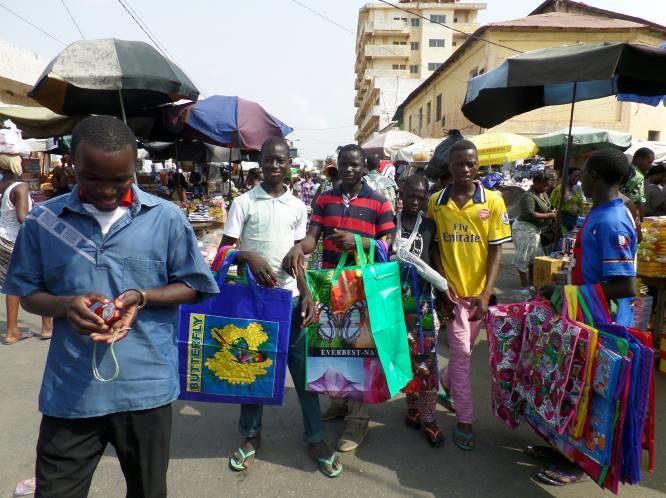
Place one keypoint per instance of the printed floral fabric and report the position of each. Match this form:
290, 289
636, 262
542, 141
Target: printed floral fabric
505, 337
544, 371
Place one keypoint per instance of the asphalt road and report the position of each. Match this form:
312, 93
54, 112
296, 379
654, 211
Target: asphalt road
393, 461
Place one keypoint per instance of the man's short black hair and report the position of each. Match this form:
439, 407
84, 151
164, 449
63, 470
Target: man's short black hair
104, 133
643, 153
459, 146
272, 142
372, 162
351, 148
416, 181
611, 165
573, 170
540, 177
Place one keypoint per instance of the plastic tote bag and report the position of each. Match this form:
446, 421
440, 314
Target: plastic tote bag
232, 348
357, 348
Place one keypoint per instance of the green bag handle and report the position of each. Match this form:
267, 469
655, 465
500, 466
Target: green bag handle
361, 257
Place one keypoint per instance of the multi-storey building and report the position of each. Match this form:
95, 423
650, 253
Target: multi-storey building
397, 50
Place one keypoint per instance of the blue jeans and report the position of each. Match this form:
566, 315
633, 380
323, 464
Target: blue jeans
249, 424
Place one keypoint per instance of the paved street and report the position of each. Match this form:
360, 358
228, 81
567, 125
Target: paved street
394, 461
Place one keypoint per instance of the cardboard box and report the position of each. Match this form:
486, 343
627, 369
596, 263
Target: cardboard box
544, 270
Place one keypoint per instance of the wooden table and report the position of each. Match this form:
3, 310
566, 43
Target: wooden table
201, 227
658, 283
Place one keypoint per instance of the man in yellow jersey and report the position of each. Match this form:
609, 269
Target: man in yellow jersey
472, 223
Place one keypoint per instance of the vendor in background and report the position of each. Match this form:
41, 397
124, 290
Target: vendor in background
329, 182
634, 187
573, 201
59, 181
14, 208
535, 212
195, 185
253, 178
381, 184
655, 197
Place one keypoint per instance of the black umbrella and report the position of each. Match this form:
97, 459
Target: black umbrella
564, 75
110, 76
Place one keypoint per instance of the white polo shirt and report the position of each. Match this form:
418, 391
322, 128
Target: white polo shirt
270, 226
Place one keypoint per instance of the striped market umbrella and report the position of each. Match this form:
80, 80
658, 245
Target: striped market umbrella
499, 148
110, 76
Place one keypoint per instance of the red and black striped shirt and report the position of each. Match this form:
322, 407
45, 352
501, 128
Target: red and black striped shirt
369, 215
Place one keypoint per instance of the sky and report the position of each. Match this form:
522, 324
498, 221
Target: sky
297, 65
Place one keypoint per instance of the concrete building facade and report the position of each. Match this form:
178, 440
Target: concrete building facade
19, 70
554, 23
397, 50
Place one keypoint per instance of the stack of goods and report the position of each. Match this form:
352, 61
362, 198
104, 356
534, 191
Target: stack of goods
217, 210
652, 248
11, 140
587, 390
201, 214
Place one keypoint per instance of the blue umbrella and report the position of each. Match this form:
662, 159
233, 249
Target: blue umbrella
643, 99
233, 122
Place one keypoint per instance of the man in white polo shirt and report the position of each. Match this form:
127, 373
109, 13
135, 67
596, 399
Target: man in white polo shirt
268, 220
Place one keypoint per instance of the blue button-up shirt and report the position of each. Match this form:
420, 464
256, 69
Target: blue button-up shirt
61, 250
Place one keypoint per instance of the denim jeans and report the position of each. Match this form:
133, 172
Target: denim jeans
251, 415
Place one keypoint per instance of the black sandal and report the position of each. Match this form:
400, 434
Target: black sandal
413, 421
434, 435
559, 476
545, 454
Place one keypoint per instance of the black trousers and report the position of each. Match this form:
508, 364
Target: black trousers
68, 451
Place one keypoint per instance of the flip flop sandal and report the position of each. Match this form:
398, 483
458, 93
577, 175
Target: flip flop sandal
413, 421
555, 476
544, 454
239, 466
325, 464
434, 436
23, 337
444, 399
467, 443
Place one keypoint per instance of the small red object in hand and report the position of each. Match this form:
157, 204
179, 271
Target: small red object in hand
109, 312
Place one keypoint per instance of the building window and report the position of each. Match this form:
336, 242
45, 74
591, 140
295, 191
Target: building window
414, 69
436, 42
416, 22
399, 43
455, 19
438, 107
482, 70
414, 45
377, 101
410, 124
395, 67
653, 136
403, 19
432, 66
428, 112
403, 67
474, 73
420, 119
438, 19
453, 44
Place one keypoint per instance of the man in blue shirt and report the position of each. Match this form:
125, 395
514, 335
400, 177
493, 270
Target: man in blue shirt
105, 239
605, 253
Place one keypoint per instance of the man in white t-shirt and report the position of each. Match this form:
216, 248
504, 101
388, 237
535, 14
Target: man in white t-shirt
267, 221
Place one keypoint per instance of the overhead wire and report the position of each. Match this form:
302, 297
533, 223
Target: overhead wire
72, 18
146, 30
32, 24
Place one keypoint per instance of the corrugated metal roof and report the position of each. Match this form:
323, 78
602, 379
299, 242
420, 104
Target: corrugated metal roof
566, 20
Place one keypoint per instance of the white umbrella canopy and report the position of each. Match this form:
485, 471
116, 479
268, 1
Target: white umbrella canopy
419, 151
659, 149
389, 143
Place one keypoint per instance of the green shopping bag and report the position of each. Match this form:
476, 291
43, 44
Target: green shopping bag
357, 348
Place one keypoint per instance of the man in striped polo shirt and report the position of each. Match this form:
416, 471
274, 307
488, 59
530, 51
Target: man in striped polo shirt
350, 208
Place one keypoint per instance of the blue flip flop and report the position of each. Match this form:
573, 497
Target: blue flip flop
239, 466
323, 462
467, 443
